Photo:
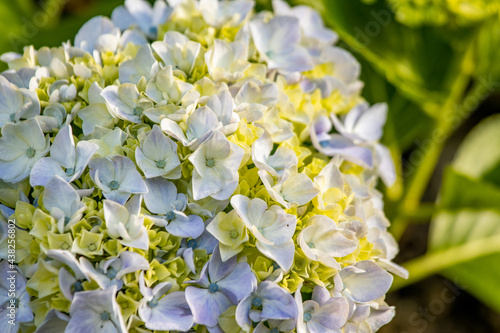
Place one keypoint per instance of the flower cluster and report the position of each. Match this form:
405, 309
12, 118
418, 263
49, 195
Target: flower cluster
444, 12
194, 165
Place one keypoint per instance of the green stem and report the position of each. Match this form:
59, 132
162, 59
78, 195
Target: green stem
448, 121
423, 213
435, 262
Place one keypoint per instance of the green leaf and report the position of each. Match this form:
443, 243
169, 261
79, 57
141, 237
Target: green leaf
474, 233
12, 15
464, 245
459, 191
480, 276
486, 51
464, 236
479, 153
69, 24
451, 229
493, 175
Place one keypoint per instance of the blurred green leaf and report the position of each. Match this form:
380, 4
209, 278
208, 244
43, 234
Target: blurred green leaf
70, 23
479, 152
493, 175
464, 235
487, 50
451, 229
480, 277
475, 233
25, 23
469, 218
459, 191
12, 15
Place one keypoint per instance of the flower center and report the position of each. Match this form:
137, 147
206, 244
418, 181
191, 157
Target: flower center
77, 286
192, 243
111, 273
213, 288
153, 303
307, 317
311, 245
30, 152
153, 30
170, 215
257, 301
66, 220
138, 111
161, 164
104, 316
234, 234
210, 162
274, 330
12, 117
69, 171
92, 247
113, 184
15, 302
324, 143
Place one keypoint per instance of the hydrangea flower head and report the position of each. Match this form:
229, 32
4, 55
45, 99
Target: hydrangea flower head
194, 165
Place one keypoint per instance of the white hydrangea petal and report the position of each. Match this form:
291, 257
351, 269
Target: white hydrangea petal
370, 125
84, 152
365, 281
87, 307
201, 299
60, 194
21, 146
201, 123
277, 40
114, 214
186, 226
143, 65
128, 176
121, 17
261, 150
299, 189
67, 258
161, 195
339, 145
250, 210
111, 96
279, 129
171, 313
216, 164
161, 12
347, 68
283, 254
140, 242
66, 281
218, 13
386, 167
174, 44
131, 262
141, 11
157, 155
280, 226
89, 33
44, 169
